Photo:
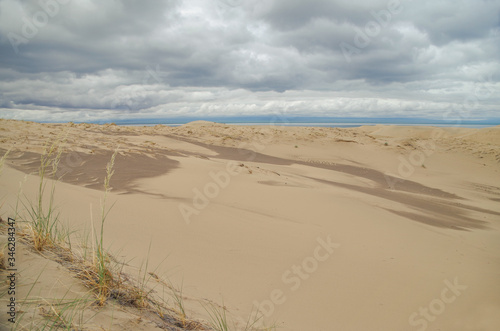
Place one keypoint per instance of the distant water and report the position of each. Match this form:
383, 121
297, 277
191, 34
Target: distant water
331, 122
327, 125
353, 125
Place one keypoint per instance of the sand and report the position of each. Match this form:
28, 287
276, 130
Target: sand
370, 228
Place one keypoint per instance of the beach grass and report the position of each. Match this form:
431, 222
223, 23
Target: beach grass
43, 218
43, 231
218, 318
105, 277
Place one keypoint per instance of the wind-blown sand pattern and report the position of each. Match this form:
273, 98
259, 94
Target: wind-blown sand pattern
370, 228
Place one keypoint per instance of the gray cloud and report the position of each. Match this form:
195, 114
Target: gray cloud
93, 60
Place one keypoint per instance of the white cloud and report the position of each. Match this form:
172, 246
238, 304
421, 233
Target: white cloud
124, 59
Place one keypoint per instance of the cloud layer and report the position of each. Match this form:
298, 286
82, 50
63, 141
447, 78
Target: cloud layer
92, 60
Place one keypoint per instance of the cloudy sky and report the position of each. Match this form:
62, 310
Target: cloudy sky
98, 60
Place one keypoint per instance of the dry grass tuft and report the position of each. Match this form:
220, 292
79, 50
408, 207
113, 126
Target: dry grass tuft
99, 271
43, 220
101, 260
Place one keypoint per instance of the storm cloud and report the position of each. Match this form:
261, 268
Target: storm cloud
90, 60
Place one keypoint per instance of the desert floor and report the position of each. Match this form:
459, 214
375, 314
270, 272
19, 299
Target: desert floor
370, 228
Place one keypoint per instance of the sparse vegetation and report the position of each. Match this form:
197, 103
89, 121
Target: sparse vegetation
179, 301
218, 318
104, 275
63, 313
100, 272
43, 220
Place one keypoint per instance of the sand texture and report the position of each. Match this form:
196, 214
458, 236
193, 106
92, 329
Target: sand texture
370, 228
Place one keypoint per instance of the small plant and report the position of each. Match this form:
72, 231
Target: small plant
296, 146
56, 313
43, 220
96, 273
23, 312
179, 301
386, 144
219, 321
66, 314
140, 294
218, 318
104, 275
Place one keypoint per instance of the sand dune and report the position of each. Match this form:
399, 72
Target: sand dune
371, 228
